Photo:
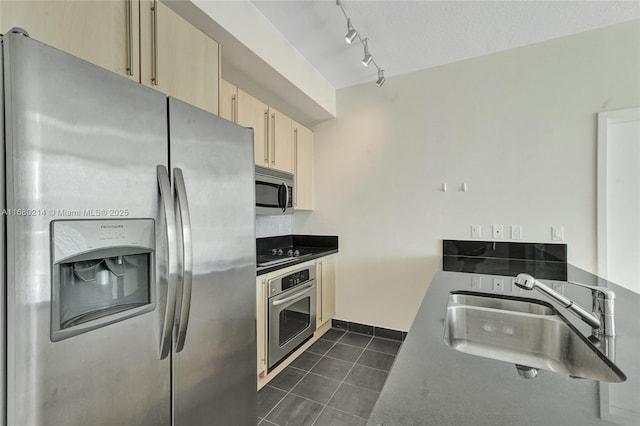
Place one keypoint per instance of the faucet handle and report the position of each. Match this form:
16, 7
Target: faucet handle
596, 291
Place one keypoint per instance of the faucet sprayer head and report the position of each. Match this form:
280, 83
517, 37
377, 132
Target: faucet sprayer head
525, 281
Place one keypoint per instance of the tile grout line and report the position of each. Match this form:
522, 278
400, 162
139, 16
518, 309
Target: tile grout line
298, 382
342, 381
372, 350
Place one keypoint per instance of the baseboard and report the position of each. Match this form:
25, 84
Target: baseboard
370, 330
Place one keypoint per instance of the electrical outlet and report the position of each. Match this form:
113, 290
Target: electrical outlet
498, 285
559, 287
476, 231
516, 232
498, 231
476, 282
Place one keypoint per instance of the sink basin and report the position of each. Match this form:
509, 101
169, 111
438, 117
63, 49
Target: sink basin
525, 332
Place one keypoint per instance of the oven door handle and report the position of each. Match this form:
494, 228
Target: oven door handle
295, 296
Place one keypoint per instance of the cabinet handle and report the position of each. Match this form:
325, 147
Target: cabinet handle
154, 16
266, 138
295, 167
129, 29
234, 113
321, 291
264, 322
273, 129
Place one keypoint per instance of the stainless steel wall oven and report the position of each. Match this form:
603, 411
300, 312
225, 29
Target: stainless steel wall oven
292, 312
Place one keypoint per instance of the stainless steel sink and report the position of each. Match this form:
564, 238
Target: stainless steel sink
525, 332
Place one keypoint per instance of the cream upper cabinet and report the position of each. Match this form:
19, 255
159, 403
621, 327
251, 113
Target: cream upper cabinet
273, 130
102, 32
177, 58
326, 279
302, 167
254, 113
228, 107
280, 141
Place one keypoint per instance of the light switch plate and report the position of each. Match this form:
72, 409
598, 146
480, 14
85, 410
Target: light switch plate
476, 282
498, 231
557, 233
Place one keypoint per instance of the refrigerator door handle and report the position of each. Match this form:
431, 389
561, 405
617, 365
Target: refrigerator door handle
187, 257
172, 268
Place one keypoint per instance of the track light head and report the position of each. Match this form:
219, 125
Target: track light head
381, 79
351, 33
367, 56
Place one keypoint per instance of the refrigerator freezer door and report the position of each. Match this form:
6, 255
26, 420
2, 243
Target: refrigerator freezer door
81, 143
214, 373
3, 283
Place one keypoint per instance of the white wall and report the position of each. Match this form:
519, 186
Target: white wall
518, 126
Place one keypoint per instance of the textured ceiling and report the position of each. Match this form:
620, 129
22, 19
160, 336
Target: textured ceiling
406, 36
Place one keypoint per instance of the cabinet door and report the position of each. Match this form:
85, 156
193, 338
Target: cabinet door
326, 289
102, 32
228, 108
302, 167
177, 58
261, 324
281, 143
255, 114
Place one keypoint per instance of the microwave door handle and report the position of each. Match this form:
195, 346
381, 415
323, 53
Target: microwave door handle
286, 200
172, 268
282, 196
187, 257
298, 295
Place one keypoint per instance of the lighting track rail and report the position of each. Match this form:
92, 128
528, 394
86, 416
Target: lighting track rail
350, 37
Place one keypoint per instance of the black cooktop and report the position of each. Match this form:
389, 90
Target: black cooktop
281, 250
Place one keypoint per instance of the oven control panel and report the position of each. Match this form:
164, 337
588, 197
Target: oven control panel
293, 279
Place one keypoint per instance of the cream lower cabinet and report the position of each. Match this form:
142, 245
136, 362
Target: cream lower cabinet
104, 33
326, 278
302, 167
176, 58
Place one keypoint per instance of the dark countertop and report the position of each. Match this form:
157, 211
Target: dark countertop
433, 384
315, 245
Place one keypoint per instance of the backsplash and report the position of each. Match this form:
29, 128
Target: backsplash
542, 260
271, 226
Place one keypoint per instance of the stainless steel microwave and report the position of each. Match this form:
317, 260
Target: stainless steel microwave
274, 191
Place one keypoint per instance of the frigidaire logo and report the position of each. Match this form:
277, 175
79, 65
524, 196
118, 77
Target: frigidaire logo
111, 226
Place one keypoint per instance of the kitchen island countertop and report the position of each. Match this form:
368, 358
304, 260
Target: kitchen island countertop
433, 384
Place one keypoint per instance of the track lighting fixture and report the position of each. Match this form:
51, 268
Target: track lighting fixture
380, 80
352, 34
367, 56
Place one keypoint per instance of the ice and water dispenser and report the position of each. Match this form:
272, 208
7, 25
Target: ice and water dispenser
103, 272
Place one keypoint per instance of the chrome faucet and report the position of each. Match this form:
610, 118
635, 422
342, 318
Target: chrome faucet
601, 318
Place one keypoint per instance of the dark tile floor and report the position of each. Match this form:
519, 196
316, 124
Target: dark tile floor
335, 382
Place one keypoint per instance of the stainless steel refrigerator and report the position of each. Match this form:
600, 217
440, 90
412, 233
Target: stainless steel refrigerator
128, 260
